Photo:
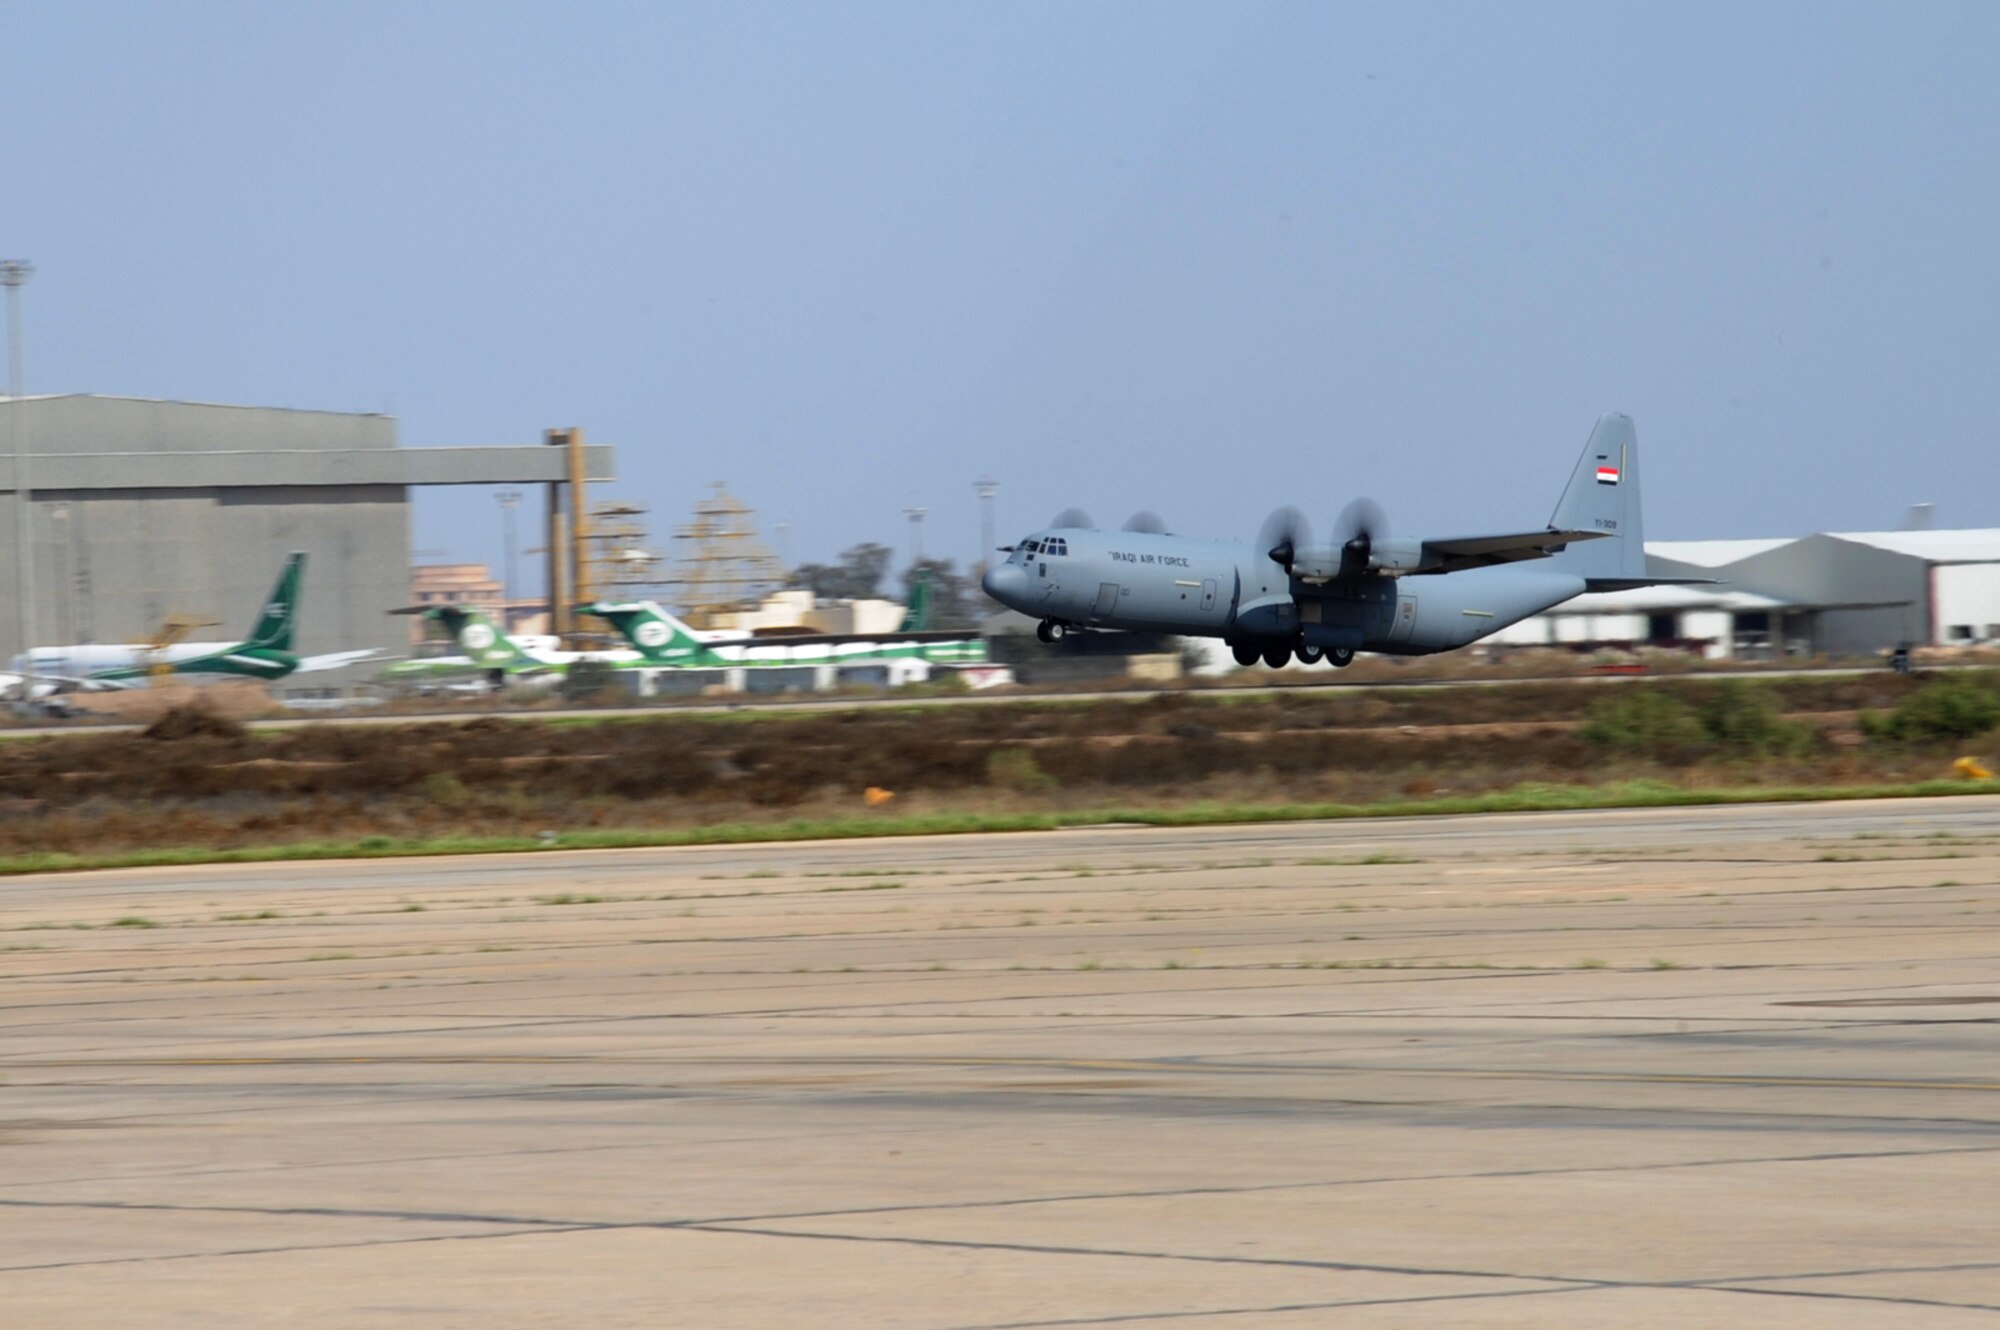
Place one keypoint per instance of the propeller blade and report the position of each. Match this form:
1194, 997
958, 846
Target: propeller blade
1072, 519
1283, 532
1148, 523
1360, 524
1362, 519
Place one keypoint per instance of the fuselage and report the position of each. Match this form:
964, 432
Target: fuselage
114, 659
1144, 582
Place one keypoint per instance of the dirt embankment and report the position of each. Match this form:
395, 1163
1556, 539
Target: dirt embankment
199, 782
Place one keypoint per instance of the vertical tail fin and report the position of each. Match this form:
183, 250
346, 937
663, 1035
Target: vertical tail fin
917, 615
658, 635
478, 637
274, 625
1603, 495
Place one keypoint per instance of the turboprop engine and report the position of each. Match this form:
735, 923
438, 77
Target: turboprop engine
1362, 545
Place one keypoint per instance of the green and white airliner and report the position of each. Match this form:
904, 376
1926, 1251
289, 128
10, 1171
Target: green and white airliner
660, 642
663, 640
265, 655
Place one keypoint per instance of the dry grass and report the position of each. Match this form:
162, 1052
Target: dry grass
208, 784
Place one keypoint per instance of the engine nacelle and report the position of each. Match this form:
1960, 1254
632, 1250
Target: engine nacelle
1396, 556
1326, 563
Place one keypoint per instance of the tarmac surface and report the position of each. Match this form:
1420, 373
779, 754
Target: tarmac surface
1733, 1066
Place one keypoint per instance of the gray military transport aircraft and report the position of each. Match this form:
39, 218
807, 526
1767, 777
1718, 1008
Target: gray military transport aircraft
1286, 597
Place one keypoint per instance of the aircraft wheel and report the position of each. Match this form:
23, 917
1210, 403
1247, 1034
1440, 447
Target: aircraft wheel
1049, 631
1309, 655
1245, 653
1276, 657
1341, 657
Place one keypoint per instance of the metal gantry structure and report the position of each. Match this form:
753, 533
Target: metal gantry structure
719, 561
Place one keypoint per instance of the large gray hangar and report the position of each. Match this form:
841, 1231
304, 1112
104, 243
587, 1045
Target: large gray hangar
1833, 594
142, 509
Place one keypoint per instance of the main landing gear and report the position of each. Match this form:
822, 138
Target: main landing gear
1249, 653
1052, 630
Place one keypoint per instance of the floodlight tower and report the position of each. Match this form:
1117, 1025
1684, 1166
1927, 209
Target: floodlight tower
986, 487
14, 273
916, 516
509, 500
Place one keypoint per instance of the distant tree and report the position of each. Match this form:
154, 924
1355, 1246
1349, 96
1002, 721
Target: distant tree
858, 575
865, 565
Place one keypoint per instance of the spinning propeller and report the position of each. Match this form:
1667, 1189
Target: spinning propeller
1286, 538
1284, 533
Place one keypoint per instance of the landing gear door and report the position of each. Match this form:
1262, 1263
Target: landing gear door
1406, 617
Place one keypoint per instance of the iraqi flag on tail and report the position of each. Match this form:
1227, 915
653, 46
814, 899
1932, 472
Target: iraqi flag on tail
1607, 475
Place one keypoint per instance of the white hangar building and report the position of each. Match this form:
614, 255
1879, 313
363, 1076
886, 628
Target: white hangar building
1834, 594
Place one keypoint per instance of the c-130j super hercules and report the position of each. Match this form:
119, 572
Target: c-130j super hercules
1286, 597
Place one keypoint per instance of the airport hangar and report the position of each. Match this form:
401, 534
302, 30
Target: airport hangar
1834, 594
141, 509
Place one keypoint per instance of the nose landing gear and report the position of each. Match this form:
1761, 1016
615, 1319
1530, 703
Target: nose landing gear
1051, 630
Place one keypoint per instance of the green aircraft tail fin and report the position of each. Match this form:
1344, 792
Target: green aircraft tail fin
917, 615
275, 624
482, 640
658, 635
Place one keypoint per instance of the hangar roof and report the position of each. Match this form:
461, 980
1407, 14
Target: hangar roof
1971, 546
1714, 553
83, 441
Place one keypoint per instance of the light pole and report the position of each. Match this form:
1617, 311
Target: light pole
987, 487
509, 570
13, 274
916, 516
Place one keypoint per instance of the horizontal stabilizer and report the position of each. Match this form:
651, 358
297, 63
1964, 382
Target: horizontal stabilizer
1461, 552
335, 660
1634, 583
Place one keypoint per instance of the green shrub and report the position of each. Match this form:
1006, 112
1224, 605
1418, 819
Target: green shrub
1960, 706
1746, 720
1640, 720
1016, 769
1727, 717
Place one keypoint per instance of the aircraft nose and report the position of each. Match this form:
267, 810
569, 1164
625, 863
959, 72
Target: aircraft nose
1006, 583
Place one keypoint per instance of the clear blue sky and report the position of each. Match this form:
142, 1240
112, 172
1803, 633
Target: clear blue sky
1198, 258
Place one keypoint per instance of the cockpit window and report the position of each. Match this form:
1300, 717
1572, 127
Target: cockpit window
1031, 546
1056, 545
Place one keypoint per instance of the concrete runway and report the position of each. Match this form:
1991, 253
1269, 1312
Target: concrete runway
1670, 1068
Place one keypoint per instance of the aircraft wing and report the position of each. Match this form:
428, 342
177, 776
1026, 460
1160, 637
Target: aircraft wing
1461, 552
334, 660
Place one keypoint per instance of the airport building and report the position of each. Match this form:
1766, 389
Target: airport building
142, 509
1834, 594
